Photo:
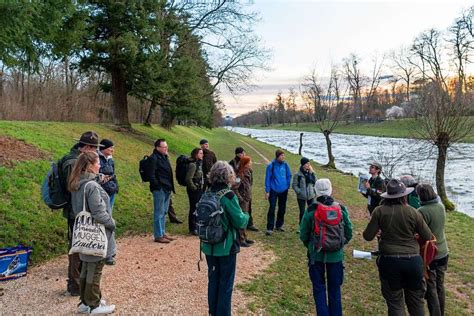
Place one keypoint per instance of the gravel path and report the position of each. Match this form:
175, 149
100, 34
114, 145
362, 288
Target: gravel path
148, 278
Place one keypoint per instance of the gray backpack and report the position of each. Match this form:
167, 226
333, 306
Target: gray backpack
209, 214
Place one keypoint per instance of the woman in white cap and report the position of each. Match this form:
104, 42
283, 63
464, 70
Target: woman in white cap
400, 264
325, 251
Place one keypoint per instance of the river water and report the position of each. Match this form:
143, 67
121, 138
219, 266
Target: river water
354, 153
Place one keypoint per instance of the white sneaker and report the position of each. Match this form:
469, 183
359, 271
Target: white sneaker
84, 309
103, 309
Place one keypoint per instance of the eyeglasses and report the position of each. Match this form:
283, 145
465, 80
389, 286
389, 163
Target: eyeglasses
163, 146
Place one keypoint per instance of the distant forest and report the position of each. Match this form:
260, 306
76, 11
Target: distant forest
158, 61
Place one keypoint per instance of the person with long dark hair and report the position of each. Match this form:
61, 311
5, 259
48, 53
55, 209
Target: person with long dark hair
84, 187
400, 264
434, 214
243, 190
194, 186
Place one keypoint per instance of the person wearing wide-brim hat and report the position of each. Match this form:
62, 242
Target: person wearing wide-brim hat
88, 142
400, 264
375, 186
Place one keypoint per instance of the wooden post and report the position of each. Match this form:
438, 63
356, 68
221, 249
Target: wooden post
301, 144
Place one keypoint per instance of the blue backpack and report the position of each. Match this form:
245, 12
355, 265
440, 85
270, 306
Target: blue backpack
53, 193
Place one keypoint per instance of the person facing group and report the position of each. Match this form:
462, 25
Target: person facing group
400, 264
375, 187
161, 185
434, 214
84, 187
243, 189
277, 183
221, 257
194, 185
88, 142
325, 260
303, 185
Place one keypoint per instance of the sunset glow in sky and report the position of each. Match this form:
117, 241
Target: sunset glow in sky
315, 34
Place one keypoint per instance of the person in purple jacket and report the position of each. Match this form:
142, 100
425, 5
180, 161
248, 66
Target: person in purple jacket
277, 183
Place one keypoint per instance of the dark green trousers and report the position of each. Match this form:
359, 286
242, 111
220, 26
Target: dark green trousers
91, 274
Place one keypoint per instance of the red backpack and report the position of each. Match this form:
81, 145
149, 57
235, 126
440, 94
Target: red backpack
328, 228
428, 251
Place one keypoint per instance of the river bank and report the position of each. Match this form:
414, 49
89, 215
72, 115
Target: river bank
281, 288
402, 128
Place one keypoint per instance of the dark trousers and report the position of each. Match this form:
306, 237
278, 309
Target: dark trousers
91, 274
435, 295
401, 280
171, 213
74, 263
302, 206
280, 220
331, 274
221, 274
193, 197
250, 223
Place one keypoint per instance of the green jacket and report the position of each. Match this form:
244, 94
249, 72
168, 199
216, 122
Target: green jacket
233, 220
194, 176
67, 163
434, 214
307, 233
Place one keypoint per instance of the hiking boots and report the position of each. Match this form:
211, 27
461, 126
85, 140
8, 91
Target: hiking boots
176, 221
244, 244
280, 229
169, 238
103, 309
269, 232
252, 228
162, 240
250, 242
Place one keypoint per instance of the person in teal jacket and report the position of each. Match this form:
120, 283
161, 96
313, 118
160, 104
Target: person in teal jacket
221, 258
325, 267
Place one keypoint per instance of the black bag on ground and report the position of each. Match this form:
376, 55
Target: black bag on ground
182, 163
142, 168
209, 215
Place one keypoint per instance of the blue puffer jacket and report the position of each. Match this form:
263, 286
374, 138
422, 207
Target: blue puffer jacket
277, 177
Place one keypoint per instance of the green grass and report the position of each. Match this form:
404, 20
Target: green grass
402, 128
284, 288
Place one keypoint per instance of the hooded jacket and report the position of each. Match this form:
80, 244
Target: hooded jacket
107, 167
277, 177
304, 189
97, 203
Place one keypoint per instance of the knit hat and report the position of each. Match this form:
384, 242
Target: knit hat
106, 143
304, 161
203, 141
239, 150
323, 187
278, 153
89, 138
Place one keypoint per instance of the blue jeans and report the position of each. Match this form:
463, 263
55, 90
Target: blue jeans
280, 220
161, 201
221, 273
112, 201
335, 277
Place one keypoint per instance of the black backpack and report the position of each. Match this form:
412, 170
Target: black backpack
53, 192
209, 214
182, 163
142, 168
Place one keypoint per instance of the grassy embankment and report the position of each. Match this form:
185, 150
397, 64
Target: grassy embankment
284, 288
395, 128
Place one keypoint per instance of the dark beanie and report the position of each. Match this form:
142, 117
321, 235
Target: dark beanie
278, 153
304, 161
203, 141
106, 143
239, 150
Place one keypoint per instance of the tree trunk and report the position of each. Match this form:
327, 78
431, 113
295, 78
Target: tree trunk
119, 98
301, 144
150, 113
331, 163
440, 166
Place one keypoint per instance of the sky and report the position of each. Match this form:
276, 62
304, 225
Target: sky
306, 35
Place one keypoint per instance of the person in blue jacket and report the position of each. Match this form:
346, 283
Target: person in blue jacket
277, 183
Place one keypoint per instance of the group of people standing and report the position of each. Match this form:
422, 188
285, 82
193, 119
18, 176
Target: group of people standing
400, 212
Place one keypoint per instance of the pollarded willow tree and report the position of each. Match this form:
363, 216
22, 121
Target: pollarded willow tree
443, 100
328, 105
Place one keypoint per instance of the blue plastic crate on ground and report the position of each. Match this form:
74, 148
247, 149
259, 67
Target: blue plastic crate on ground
14, 262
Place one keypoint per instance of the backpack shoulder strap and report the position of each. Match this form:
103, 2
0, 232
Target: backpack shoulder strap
222, 192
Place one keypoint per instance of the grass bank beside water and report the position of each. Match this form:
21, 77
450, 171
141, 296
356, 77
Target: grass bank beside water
402, 128
284, 288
